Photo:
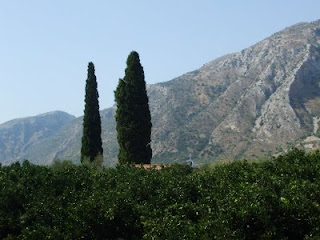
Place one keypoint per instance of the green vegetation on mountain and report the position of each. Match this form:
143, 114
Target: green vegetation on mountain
91, 149
275, 199
133, 118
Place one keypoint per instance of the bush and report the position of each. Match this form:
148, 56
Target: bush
276, 199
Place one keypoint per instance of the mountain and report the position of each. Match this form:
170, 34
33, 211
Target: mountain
249, 104
66, 143
18, 136
257, 102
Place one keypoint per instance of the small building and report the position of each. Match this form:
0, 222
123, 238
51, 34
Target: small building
152, 166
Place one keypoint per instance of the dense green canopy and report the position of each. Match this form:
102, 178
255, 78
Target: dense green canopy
133, 116
277, 199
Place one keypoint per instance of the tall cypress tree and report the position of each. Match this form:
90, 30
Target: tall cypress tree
91, 149
133, 118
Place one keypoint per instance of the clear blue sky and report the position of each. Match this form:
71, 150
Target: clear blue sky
45, 46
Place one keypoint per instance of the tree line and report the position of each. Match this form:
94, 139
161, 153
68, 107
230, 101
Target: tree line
133, 118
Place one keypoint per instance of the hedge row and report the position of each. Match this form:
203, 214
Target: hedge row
276, 199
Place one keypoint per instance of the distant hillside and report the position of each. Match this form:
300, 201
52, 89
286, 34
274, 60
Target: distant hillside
66, 143
19, 135
253, 103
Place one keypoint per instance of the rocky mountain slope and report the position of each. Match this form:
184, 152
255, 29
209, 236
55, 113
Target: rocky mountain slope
249, 104
257, 102
66, 143
19, 135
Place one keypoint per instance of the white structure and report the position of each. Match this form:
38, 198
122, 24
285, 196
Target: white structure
193, 164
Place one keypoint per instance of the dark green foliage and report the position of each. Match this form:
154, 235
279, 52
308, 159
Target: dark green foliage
91, 149
133, 115
278, 199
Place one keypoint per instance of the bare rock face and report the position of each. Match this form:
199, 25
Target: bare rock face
258, 102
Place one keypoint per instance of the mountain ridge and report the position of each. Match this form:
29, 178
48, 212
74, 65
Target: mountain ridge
253, 103
18, 135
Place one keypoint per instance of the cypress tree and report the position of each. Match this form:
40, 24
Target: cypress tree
91, 150
133, 118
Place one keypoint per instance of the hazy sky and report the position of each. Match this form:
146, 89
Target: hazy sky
45, 46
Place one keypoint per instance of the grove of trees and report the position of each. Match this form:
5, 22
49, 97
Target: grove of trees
274, 199
269, 199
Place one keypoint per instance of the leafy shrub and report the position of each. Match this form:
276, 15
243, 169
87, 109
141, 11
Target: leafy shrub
276, 199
